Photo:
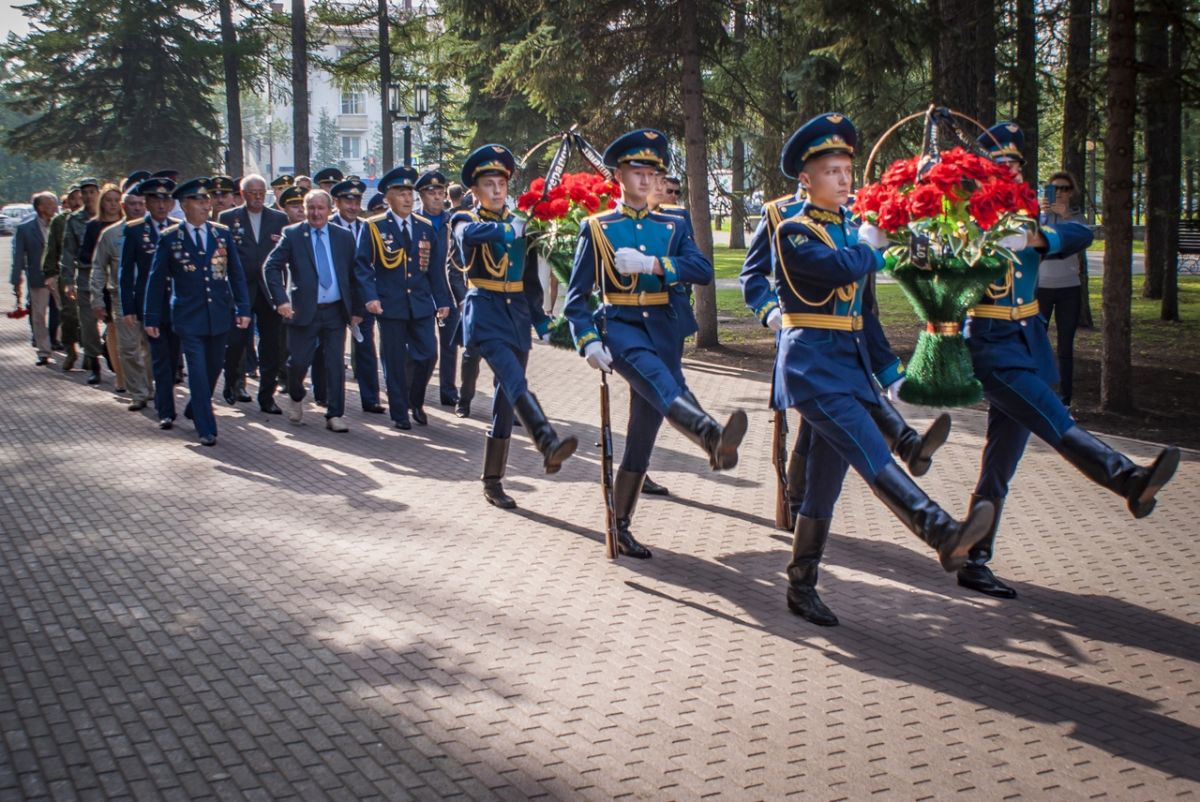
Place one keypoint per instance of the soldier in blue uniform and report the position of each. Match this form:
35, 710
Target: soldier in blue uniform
364, 356
401, 264
1011, 353
762, 258
208, 294
635, 255
503, 303
137, 257
376, 205
327, 178
431, 186
823, 367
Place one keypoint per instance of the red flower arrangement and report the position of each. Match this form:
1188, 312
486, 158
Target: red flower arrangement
583, 191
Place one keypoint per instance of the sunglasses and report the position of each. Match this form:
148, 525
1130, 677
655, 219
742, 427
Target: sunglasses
1063, 187
674, 191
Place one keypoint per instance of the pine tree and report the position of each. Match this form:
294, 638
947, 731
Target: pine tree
326, 150
119, 85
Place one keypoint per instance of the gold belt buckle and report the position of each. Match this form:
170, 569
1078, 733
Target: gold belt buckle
642, 298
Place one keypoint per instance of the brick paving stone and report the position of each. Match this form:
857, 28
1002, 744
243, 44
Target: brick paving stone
294, 615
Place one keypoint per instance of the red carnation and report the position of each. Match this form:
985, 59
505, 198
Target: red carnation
901, 172
537, 185
526, 200
893, 213
870, 198
926, 201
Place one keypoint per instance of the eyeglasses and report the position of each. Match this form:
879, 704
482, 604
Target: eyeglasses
674, 192
1063, 187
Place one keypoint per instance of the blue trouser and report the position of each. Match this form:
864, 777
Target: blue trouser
843, 433
365, 359
205, 355
650, 377
644, 423
508, 372
448, 356
399, 341
1018, 403
323, 338
164, 354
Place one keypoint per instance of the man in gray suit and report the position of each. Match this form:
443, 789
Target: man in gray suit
28, 244
256, 230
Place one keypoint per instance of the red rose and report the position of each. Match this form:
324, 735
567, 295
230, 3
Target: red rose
925, 201
537, 185
901, 172
526, 200
870, 198
893, 214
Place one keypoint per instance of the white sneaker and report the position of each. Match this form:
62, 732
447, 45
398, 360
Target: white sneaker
295, 409
336, 425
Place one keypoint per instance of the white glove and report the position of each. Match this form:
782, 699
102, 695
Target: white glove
1015, 242
872, 235
598, 356
630, 261
518, 224
893, 390
775, 320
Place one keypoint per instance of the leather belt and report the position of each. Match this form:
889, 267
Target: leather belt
997, 312
814, 320
639, 299
496, 286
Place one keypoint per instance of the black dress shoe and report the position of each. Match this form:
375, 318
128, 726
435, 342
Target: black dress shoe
377, 409
419, 416
136, 405
208, 439
980, 578
243, 397
403, 424
43, 361
166, 423
271, 408
187, 411
653, 488
228, 396
448, 400
462, 410
95, 377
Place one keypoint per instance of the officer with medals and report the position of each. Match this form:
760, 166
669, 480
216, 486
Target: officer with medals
208, 294
635, 255
1012, 357
401, 264
504, 301
431, 186
762, 259
137, 257
348, 197
823, 366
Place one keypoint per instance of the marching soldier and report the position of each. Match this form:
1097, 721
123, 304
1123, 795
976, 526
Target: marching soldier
278, 184
823, 367
208, 295
75, 278
326, 178
401, 263
51, 268
431, 186
364, 355
1011, 353
376, 205
635, 256
504, 301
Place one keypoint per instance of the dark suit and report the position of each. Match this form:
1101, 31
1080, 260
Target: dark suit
137, 257
208, 289
313, 323
253, 254
363, 355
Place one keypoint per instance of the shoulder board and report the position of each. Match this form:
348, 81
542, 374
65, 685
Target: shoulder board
376, 218
671, 207
134, 223
218, 226
422, 218
814, 229
170, 229
607, 216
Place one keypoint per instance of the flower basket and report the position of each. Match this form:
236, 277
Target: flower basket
945, 214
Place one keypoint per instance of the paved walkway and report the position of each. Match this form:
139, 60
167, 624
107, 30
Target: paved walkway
296, 614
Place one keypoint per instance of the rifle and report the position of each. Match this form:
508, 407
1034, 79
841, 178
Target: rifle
779, 456
606, 471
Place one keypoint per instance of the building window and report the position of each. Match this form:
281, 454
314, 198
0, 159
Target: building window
351, 147
353, 103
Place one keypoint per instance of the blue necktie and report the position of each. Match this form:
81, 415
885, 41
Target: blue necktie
324, 271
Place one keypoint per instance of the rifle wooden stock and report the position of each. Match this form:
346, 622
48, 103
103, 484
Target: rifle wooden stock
779, 455
606, 471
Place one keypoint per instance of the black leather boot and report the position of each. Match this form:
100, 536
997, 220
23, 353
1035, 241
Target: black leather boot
808, 544
554, 451
469, 368
653, 488
796, 482
1110, 468
975, 574
914, 450
720, 442
950, 538
627, 486
93, 367
495, 460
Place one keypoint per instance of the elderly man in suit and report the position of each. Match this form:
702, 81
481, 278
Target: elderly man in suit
255, 230
317, 298
208, 295
28, 245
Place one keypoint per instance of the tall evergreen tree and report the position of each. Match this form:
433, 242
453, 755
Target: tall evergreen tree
119, 85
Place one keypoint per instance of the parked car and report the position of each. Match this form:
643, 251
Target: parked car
12, 216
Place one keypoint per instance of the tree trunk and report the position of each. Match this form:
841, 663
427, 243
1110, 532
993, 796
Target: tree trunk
1173, 158
737, 164
696, 153
233, 95
1116, 370
1076, 103
300, 143
1154, 66
963, 57
385, 79
1027, 85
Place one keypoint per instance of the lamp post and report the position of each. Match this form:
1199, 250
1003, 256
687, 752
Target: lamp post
420, 107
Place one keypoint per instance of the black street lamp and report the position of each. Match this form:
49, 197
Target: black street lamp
420, 107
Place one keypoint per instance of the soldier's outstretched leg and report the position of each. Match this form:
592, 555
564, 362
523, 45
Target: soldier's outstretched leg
554, 451
914, 450
495, 460
719, 442
1113, 470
